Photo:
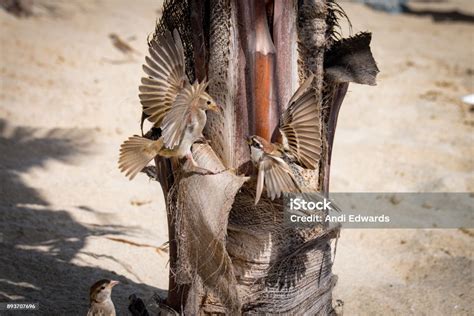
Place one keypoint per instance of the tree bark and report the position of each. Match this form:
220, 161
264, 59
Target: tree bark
226, 254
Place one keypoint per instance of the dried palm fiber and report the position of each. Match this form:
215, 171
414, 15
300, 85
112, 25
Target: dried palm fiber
177, 15
312, 41
263, 264
220, 57
226, 63
199, 220
201, 226
279, 268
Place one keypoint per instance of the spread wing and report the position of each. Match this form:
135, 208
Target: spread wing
166, 76
277, 176
177, 119
300, 126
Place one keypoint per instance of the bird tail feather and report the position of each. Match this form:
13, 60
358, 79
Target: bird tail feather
136, 152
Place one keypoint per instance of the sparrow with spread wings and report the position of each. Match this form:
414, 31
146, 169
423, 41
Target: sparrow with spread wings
171, 103
300, 132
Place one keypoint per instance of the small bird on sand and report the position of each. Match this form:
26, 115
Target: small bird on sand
121, 45
300, 143
100, 298
173, 104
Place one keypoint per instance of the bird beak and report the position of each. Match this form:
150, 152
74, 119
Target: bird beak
113, 283
218, 109
249, 140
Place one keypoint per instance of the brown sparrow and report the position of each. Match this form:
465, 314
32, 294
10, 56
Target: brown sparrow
172, 103
121, 45
100, 298
301, 144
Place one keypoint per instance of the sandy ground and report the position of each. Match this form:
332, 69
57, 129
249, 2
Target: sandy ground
68, 98
66, 104
410, 133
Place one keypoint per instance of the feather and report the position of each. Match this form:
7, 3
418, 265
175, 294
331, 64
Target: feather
136, 152
165, 69
260, 180
277, 177
177, 118
300, 126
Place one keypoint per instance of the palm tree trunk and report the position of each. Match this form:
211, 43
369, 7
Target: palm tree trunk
227, 255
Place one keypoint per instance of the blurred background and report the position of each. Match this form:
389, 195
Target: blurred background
69, 74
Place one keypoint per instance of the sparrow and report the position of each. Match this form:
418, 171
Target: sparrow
100, 298
121, 45
300, 133
171, 103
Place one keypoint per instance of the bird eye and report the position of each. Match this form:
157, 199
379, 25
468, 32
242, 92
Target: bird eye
208, 102
102, 288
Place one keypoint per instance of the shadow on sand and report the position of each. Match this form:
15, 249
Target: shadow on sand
441, 16
36, 257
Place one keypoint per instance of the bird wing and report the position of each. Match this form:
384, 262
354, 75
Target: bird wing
275, 173
179, 116
166, 76
300, 126
136, 152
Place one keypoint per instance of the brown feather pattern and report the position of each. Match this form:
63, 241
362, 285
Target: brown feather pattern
176, 120
277, 176
301, 128
166, 76
136, 152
